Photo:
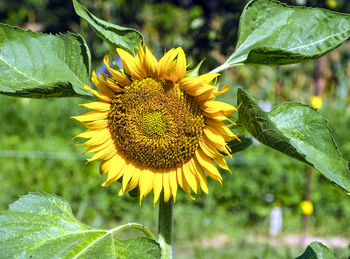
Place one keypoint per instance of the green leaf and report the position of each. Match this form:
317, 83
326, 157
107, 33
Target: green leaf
298, 131
237, 146
41, 225
273, 33
42, 65
116, 36
194, 72
317, 250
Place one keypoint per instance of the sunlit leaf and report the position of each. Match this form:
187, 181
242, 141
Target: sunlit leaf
116, 36
41, 225
298, 131
317, 250
42, 65
273, 33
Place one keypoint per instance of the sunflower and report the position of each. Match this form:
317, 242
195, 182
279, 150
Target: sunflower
156, 128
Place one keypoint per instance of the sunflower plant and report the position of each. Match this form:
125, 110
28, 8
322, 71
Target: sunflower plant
155, 125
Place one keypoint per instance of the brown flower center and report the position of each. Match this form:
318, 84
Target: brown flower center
156, 123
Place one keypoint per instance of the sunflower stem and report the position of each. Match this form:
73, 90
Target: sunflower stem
165, 228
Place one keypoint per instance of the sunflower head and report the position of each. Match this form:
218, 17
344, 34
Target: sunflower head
154, 128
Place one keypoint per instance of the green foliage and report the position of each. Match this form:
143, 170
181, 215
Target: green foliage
317, 250
64, 236
116, 36
195, 71
298, 131
41, 65
236, 146
272, 33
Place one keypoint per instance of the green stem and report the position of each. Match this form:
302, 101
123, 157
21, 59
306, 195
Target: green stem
165, 228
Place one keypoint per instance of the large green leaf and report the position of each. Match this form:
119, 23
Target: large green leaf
317, 250
275, 34
116, 36
298, 131
42, 65
41, 225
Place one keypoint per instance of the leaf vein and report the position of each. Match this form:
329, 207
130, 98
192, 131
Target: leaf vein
19, 72
93, 242
319, 41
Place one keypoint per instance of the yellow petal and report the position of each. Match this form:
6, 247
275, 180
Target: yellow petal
115, 170
209, 149
165, 63
216, 139
186, 187
179, 176
146, 183
199, 90
150, 63
182, 181
204, 97
100, 96
104, 166
158, 185
128, 172
166, 184
202, 79
100, 84
218, 116
130, 65
173, 182
200, 175
134, 182
88, 134
106, 144
91, 116
99, 106
180, 65
118, 76
222, 163
140, 55
212, 152
190, 178
98, 138
207, 164
221, 91
111, 84
171, 72
222, 128
216, 106
96, 125
103, 154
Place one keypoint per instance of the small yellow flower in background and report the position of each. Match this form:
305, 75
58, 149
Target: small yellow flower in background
332, 4
155, 128
316, 102
307, 207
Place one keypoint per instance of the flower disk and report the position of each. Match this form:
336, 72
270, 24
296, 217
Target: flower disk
155, 128
156, 123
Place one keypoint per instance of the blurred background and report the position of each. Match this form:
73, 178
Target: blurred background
257, 212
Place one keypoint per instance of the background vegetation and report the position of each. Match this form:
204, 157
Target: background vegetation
37, 154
